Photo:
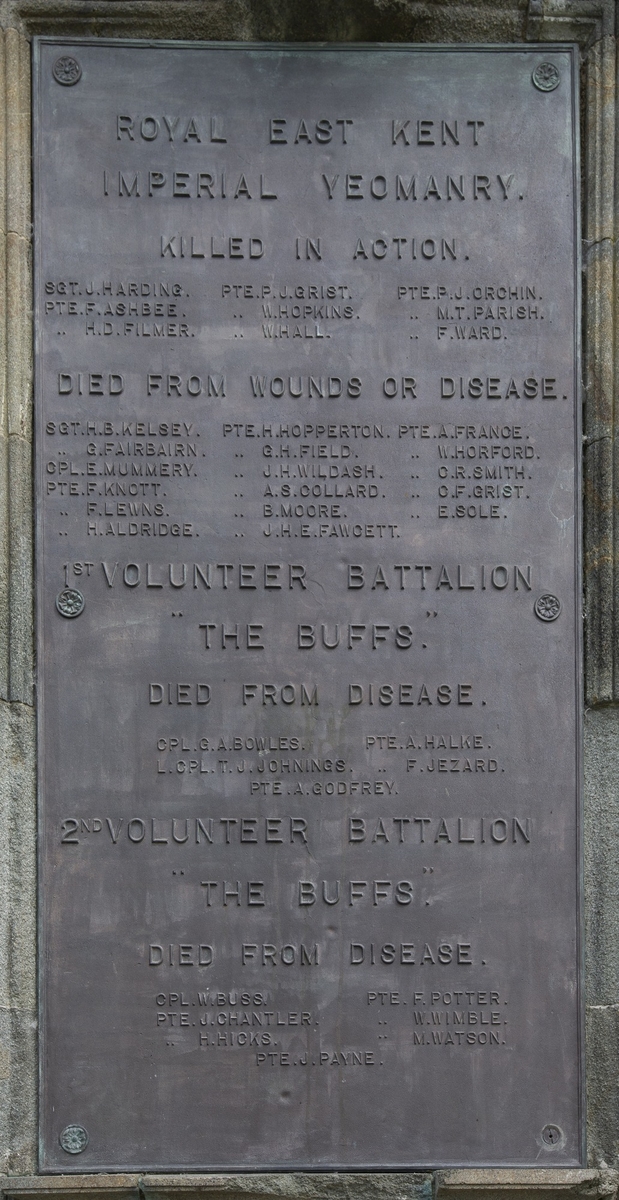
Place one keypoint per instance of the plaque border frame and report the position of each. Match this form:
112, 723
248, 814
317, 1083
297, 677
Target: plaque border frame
524, 48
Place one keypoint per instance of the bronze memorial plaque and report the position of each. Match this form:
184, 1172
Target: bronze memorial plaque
307, 397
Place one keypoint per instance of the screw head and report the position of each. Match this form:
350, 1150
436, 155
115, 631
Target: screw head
547, 607
552, 1135
546, 77
70, 602
74, 1139
67, 71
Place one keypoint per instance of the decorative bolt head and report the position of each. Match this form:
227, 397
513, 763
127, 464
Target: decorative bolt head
547, 607
74, 1139
67, 70
70, 602
546, 77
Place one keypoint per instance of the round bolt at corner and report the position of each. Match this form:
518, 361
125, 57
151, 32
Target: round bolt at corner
552, 1135
546, 77
67, 71
73, 1139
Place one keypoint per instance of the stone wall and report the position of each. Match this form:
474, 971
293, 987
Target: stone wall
591, 23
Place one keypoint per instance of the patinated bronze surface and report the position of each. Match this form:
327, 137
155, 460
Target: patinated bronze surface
308, 606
